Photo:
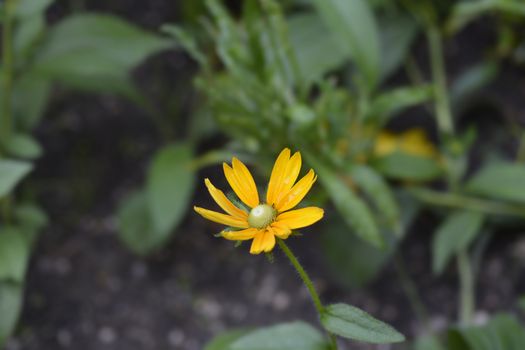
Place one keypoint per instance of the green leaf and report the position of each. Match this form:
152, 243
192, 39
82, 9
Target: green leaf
428, 342
521, 302
11, 295
352, 323
136, 226
11, 173
170, 185
286, 336
397, 33
311, 40
225, 340
34, 89
30, 219
23, 146
455, 234
466, 11
403, 166
354, 211
354, 27
28, 8
95, 51
378, 192
499, 180
27, 32
353, 261
503, 332
14, 254
187, 41
388, 104
473, 79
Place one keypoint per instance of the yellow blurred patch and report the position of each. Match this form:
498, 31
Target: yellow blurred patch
413, 142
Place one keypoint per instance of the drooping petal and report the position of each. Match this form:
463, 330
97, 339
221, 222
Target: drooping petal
257, 242
241, 235
297, 192
280, 230
226, 205
264, 241
269, 241
300, 217
238, 187
245, 178
277, 173
222, 218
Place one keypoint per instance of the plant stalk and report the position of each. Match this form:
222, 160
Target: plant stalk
454, 200
466, 281
439, 77
308, 283
412, 293
7, 72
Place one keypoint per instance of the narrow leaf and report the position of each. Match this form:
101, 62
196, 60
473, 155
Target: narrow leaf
286, 336
499, 181
403, 166
11, 295
11, 173
14, 254
354, 27
354, 211
170, 185
378, 191
353, 323
456, 233
135, 225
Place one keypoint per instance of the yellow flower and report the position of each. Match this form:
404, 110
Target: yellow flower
266, 219
413, 142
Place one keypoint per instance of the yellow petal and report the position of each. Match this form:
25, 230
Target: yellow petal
219, 197
222, 218
277, 173
300, 217
280, 230
269, 241
256, 246
245, 178
386, 143
264, 241
416, 142
237, 187
290, 175
297, 192
241, 235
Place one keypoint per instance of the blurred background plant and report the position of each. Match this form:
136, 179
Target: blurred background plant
90, 52
363, 89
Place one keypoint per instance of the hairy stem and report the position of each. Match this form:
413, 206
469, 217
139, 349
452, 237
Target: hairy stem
308, 283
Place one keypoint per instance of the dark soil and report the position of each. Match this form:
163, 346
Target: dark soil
85, 291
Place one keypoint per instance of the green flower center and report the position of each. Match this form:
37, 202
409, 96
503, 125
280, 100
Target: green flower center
261, 216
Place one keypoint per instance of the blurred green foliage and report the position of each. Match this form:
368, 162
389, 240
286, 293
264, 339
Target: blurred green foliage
91, 52
319, 76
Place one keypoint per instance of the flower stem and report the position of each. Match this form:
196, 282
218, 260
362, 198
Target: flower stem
7, 70
466, 279
308, 283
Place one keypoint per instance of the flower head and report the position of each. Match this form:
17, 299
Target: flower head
266, 219
414, 142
